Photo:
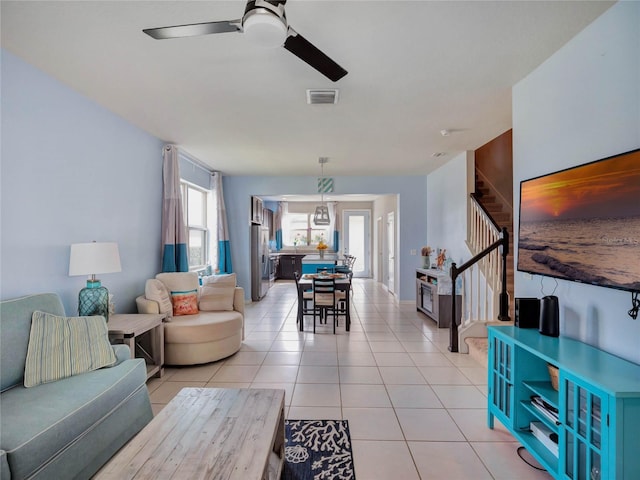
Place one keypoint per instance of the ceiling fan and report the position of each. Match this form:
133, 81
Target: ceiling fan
264, 22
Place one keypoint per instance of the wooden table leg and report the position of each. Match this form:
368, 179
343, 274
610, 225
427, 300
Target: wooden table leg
300, 308
348, 306
130, 341
157, 342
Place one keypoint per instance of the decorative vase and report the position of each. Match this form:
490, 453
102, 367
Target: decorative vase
321, 253
426, 262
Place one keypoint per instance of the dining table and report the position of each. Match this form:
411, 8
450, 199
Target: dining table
343, 283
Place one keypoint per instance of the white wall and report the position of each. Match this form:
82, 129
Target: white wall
380, 265
447, 209
73, 172
580, 105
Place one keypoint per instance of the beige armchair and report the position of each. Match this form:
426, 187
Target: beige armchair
205, 323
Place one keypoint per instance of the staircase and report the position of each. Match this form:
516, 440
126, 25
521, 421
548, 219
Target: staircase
490, 213
501, 212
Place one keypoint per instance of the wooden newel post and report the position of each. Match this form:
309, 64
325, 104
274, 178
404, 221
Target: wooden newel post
503, 314
453, 325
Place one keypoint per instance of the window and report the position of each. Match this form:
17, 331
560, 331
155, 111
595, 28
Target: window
298, 230
194, 200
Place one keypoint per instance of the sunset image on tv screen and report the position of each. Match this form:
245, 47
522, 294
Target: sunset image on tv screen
583, 223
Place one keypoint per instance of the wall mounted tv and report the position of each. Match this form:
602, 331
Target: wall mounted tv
583, 223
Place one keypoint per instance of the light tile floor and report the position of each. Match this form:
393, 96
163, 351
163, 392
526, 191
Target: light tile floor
415, 410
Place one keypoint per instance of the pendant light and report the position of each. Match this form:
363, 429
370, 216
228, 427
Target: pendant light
321, 215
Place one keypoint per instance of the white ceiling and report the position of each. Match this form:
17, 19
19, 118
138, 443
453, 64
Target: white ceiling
415, 68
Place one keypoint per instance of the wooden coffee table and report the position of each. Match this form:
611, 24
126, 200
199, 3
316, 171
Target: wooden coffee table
208, 433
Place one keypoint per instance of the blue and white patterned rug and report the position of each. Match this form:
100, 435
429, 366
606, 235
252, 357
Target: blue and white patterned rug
317, 450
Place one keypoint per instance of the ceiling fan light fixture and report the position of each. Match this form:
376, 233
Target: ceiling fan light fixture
264, 29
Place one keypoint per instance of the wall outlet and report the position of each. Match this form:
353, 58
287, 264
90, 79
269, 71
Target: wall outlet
413, 251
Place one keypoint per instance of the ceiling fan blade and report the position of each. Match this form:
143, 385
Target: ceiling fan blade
306, 51
194, 29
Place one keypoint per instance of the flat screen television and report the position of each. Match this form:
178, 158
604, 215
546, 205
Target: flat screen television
583, 223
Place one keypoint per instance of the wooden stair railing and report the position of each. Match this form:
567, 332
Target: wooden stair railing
482, 284
455, 271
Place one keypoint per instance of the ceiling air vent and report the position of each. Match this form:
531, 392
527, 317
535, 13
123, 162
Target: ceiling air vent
322, 97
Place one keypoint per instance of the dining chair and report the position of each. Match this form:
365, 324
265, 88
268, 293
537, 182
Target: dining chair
325, 270
347, 264
324, 300
305, 299
342, 303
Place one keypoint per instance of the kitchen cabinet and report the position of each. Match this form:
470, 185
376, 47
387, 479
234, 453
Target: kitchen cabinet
288, 265
593, 417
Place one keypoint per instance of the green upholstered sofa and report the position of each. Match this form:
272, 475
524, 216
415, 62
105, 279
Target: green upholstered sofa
69, 428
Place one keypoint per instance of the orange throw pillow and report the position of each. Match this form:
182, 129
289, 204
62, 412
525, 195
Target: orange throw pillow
184, 303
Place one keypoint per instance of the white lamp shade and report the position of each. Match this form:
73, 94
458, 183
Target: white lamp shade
94, 258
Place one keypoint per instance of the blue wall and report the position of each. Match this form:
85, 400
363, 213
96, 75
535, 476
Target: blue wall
582, 104
411, 218
73, 172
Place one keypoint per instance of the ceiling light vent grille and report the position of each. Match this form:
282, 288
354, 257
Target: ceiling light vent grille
322, 97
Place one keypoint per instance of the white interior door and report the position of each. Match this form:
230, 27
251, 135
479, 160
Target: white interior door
357, 240
379, 250
391, 249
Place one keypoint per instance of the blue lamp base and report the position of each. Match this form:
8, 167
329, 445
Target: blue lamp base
94, 300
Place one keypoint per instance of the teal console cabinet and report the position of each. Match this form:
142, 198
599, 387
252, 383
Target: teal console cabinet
597, 403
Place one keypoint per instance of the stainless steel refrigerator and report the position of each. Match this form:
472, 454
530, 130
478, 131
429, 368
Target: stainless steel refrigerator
259, 261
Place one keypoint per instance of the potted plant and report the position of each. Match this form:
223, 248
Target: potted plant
321, 248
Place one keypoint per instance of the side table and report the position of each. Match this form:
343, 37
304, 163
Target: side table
128, 328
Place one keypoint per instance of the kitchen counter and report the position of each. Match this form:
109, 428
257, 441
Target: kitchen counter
311, 263
290, 262
329, 258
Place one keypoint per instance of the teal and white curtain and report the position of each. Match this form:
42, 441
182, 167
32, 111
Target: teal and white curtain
334, 228
224, 247
278, 224
174, 230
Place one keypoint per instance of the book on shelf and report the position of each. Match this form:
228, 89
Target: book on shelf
545, 436
549, 411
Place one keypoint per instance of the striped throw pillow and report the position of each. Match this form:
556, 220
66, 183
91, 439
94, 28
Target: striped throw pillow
60, 347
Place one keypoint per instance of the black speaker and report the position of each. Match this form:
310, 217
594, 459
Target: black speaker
527, 312
550, 316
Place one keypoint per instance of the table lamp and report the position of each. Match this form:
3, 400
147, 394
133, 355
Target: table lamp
91, 259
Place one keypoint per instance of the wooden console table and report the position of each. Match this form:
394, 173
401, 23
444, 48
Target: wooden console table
433, 296
128, 328
208, 433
